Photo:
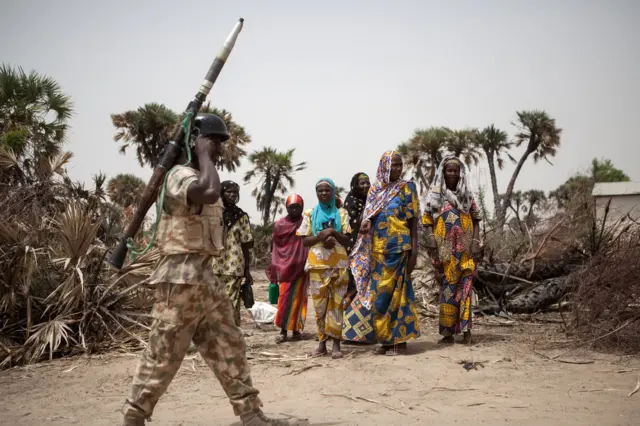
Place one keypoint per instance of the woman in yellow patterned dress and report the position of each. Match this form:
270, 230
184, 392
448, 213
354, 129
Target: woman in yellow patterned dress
451, 218
326, 231
383, 259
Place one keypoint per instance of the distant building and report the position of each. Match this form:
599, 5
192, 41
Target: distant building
625, 200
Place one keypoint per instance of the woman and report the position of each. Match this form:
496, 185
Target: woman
326, 230
452, 218
354, 205
357, 327
288, 258
233, 265
355, 202
384, 257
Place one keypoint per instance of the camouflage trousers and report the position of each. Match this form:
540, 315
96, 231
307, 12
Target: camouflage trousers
183, 313
232, 284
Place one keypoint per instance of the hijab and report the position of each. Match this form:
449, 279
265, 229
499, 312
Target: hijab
355, 201
232, 213
326, 215
460, 199
288, 254
382, 191
354, 204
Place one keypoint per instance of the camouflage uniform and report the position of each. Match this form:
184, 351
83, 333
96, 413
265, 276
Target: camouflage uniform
229, 267
190, 305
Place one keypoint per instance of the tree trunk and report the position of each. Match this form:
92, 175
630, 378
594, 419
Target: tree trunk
435, 162
421, 177
264, 205
512, 183
269, 199
494, 184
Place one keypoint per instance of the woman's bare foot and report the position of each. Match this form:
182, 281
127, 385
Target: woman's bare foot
281, 339
447, 340
296, 336
466, 339
336, 353
320, 351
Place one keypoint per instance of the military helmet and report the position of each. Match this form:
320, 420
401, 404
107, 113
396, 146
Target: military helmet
211, 124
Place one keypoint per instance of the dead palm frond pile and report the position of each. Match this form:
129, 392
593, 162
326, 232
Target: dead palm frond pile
57, 294
606, 291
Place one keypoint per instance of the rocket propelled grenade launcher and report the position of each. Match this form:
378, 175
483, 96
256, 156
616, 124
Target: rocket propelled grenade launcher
172, 151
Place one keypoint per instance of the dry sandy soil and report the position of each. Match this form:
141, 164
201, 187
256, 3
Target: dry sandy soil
518, 382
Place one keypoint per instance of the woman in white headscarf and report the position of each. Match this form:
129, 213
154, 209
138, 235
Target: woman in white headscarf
451, 218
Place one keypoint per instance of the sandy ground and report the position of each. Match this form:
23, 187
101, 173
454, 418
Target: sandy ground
519, 382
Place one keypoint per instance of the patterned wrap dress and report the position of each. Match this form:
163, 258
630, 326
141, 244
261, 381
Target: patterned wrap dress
328, 278
453, 230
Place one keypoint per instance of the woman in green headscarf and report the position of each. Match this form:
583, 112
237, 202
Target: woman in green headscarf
326, 231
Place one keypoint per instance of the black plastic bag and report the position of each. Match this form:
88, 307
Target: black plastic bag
246, 294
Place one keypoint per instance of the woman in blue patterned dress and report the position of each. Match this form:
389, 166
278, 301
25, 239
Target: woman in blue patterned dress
383, 259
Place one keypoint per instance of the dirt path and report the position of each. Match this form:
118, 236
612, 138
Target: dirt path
517, 385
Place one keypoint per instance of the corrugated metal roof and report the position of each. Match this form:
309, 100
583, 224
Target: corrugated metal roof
607, 189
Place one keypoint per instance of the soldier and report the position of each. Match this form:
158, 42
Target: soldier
190, 302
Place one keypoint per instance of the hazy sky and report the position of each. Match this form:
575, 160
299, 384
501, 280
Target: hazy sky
343, 81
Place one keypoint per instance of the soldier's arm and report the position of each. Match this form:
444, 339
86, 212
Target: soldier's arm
206, 190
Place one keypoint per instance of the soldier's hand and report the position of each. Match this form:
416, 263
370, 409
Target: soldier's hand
205, 147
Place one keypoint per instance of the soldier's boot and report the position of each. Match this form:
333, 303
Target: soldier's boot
257, 418
133, 417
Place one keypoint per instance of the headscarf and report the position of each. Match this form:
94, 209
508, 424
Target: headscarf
294, 199
382, 191
354, 204
325, 214
380, 194
232, 213
438, 193
288, 254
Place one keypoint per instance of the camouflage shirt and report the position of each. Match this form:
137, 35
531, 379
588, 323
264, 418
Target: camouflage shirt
189, 268
231, 261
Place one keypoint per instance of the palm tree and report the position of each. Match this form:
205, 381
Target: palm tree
33, 122
340, 191
277, 207
150, 127
274, 171
542, 137
423, 152
515, 204
146, 129
125, 189
533, 199
493, 143
462, 143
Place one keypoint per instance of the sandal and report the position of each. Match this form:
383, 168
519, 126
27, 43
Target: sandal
382, 350
281, 339
399, 349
